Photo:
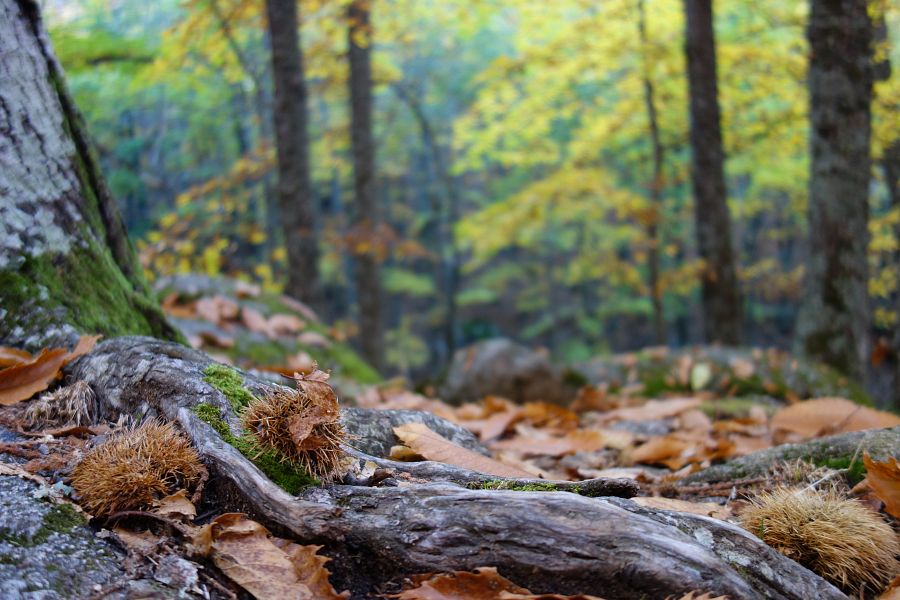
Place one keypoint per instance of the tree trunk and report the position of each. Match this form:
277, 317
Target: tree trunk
365, 214
721, 297
66, 264
890, 164
294, 188
834, 320
653, 255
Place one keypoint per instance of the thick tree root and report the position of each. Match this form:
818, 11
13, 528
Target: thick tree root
835, 451
546, 541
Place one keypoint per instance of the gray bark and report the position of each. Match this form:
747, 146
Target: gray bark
66, 265
720, 293
834, 320
547, 541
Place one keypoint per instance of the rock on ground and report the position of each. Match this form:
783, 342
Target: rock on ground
503, 368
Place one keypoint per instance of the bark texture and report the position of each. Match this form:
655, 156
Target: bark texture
378, 532
834, 320
295, 196
365, 214
66, 264
721, 296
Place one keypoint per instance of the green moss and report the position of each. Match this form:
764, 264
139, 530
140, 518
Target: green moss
61, 518
288, 477
230, 383
499, 484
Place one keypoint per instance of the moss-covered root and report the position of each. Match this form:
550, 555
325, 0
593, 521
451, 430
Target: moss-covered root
231, 384
836, 452
288, 477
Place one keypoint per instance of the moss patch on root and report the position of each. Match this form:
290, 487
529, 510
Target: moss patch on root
285, 476
230, 383
511, 486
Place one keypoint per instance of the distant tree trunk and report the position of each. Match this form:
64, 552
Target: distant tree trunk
834, 319
721, 297
295, 197
66, 264
890, 164
653, 260
365, 214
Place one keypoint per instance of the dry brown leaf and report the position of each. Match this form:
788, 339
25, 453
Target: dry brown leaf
825, 416
23, 380
13, 356
310, 569
581, 440
706, 509
693, 596
434, 447
255, 321
243, 551
314, 339
285, 325
295, 305
884, 479
216, 340
142, 542
652, 410
174, 308
543, 414
482, 584
493, 426
177, 506
892, 592
244, 289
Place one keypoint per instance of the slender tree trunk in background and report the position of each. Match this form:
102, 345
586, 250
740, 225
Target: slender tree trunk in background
890, 164
653, 261
66, 264
834, 320
295, 197
721, 296
448, 274
365, 214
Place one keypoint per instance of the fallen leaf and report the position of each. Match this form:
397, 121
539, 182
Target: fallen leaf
432, 446
141, 542
884, 479
310, 569
295, 305
825, 416
706, 509
177, 506
13, 356
23, 380
484, 584
243, 550
314, 339
652, 410
214, 339
243, 289
581, 440
693, 596
285, 324
701, 375
892, 592
254, 321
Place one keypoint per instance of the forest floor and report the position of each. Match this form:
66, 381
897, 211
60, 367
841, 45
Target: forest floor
664, 437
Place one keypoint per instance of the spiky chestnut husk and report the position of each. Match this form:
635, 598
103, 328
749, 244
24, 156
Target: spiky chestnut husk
75, 403
841, 539
135, 467
302, 426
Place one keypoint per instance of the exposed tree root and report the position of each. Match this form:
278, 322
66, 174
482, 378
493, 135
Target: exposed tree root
546, 541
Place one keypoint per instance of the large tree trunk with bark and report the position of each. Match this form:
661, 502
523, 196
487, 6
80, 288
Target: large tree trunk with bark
295, 197
365, 241
834, 319
403, 518
66, 264
721, 296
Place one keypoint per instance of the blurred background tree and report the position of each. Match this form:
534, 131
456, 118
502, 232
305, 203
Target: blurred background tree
527, 173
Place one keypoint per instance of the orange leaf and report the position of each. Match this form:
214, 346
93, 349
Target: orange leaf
485, 583
432, 446
825, 416
884, 479
24, 380
653, 410
13, 356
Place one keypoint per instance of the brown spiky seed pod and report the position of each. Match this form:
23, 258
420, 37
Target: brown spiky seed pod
75, 403
842, 540
135, 467
302, 426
